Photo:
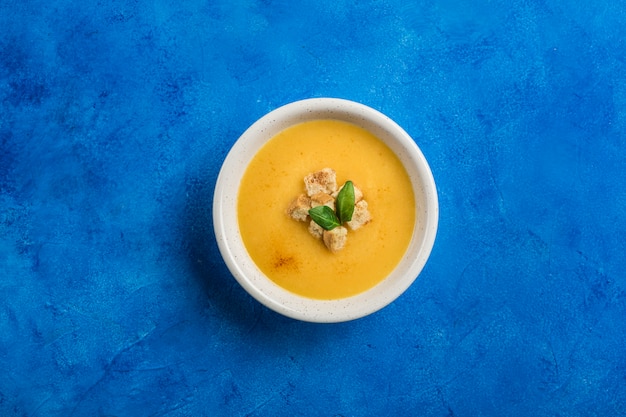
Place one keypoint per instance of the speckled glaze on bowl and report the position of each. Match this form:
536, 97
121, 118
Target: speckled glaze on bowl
255, 282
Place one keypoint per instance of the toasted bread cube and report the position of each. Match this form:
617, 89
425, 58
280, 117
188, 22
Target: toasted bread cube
335, 239
361, 216
324, 181
358, 194
323, 199
316, 230
299, 208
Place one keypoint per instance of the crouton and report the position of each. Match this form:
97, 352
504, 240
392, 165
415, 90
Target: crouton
358, 194
360, 217
321, 190
335, 239
324, 181
299, 208
322, 199
316, 230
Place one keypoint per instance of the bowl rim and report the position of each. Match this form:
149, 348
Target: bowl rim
261, 287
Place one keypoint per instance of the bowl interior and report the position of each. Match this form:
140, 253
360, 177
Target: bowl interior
250, 276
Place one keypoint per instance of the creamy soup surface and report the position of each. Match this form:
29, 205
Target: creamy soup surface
283, 248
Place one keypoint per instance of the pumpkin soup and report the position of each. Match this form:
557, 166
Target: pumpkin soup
284, 250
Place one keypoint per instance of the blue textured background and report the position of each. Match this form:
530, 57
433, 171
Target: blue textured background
116, 116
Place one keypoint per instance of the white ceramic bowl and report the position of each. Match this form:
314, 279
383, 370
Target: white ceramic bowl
243, 267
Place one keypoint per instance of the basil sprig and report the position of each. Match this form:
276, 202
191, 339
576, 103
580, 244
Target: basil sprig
326, 217
345, 202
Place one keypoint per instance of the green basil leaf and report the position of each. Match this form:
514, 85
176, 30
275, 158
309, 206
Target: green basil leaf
345, 202
325, 217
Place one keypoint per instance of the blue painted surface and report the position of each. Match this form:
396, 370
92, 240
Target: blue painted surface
116, 116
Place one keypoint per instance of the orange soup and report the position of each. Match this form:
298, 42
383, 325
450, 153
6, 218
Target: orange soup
283, 248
